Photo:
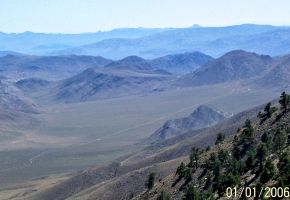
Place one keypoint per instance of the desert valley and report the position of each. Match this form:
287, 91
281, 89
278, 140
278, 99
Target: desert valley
90, 116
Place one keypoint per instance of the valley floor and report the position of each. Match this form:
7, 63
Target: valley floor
71, 137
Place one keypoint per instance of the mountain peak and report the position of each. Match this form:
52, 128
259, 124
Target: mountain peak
234, 65
136, 64
202, 117
242, 53
202, 110
195, 26
132, 59
181, 63
238, 51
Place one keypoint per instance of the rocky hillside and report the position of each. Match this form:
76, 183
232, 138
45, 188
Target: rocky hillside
11, 98
16, 112
201, 117
258, 156
50, 67
278, 76
107, 83
32, 84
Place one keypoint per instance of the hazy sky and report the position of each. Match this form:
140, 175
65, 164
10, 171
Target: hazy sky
92, 15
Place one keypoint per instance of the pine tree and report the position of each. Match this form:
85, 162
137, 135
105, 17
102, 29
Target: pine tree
188, 174
180, 170
284, 169
192, 194
248, 125
245, 142
236, 167
269, 110
220, 138
262, 153
163, 196
251, 160
279, 140
284, 101
194, 157
226, 180
150, 181
223, 156
268, 171
265, 138
207, 148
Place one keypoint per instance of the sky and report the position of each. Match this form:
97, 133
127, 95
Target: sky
76, 16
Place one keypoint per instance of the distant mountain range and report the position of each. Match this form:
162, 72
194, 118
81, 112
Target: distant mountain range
44, 43
152, 43
213, 41
20, 66
103, 79
134, 75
